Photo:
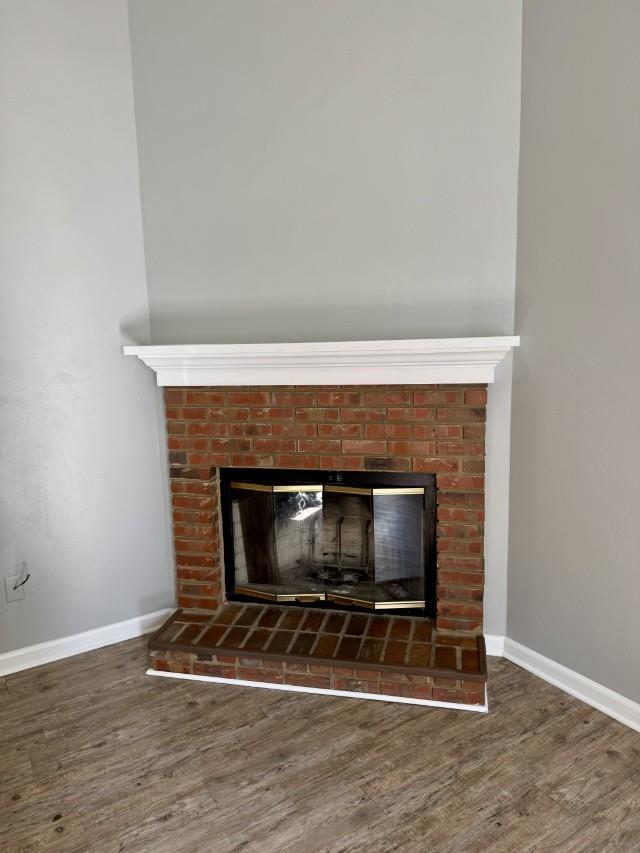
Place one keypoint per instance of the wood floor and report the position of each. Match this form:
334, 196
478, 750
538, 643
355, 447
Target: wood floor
96, 756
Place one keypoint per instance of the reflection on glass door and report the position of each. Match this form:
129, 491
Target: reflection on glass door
345, 544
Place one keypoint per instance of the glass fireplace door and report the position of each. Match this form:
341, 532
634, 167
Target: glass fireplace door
277, 541
374, 546
350, 545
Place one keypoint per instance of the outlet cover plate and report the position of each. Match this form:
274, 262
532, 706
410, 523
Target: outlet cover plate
11, 593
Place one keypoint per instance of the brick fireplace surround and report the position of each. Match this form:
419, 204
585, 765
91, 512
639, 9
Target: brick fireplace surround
437, 429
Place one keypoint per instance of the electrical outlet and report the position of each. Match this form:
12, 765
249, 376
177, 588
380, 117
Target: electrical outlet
11, 593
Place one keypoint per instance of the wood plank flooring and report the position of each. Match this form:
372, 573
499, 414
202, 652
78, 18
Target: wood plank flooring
95, 756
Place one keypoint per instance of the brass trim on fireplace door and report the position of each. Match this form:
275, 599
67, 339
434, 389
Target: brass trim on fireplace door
256, 593
348, 490
306, 487
399, 491
281, 596
261, 487
356, 490
252, 487
347, 601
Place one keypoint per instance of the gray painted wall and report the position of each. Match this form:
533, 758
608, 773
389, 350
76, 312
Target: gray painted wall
574, 570
81, 472
334, 170
327, 170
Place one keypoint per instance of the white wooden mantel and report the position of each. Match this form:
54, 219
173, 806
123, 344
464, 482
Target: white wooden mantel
426, 362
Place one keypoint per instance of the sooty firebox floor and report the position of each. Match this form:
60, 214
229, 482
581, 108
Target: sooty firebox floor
400, 643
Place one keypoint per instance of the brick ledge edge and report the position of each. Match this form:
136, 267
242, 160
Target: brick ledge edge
293, 688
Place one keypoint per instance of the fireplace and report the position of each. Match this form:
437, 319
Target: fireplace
341, 539
329, 536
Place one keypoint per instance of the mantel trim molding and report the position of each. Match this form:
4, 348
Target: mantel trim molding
426, 362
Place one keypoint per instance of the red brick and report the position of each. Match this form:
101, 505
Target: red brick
363, 415
460, 531
351, 446
397, 398
317, 414
173, 396
459, 593
273, 413
322, 681
192, 546
399, 431
339, 398
460, 415
274, 444
412, 414
208, 460
447, 577
193, 603
412, 448
198, 531
461, 483
268, 676
178, 443
319, 445
248, 398
474, 431
436, 465
293, 398
250, 429
192, 502
356, 685
455, 608
475, 397
228, 413
470, 499
203, 561
211, 398
469, 516
297, 460
198, 588
252, 460
196, 574
340, 430
341, 463
460, 546
229, 444
180, 413
437, 397
206, 668
294, 430
206, 428
387, 463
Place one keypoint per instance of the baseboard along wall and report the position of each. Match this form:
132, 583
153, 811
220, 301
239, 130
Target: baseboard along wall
613, 704
96, 638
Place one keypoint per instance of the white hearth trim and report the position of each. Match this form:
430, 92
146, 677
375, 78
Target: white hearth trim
294, 688
64, 647
426, 362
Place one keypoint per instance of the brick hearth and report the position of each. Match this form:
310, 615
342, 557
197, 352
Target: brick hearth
393, 656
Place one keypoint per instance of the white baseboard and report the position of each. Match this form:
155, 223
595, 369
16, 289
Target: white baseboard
608, 701
350, 694
494, 644
65, 647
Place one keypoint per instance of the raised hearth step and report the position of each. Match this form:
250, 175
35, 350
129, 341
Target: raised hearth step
333, 649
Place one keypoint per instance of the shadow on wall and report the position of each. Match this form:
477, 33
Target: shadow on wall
253, 321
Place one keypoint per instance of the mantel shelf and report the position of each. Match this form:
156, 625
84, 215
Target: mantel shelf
426, 362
